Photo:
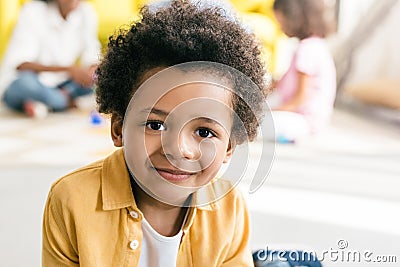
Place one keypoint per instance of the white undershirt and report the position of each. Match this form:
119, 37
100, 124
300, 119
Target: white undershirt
158, 250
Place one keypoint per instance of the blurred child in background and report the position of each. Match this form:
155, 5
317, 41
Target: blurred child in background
51, 56
307, 90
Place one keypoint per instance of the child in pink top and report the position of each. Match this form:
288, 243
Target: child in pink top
307, 90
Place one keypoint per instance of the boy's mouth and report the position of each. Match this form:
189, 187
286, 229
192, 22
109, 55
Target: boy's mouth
174, 175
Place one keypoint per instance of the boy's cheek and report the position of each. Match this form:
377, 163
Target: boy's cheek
152, 144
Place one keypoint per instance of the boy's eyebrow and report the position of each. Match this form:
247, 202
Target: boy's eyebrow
155, 111
211, 121
208, 120
165, 113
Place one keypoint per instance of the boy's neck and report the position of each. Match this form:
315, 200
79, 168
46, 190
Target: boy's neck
166, 219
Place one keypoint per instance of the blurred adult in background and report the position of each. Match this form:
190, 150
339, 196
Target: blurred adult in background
51, 57
304, 96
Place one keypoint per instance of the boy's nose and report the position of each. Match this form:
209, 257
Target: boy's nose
188, 148
182, 146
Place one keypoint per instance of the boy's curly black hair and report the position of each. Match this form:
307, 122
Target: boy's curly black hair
181, 32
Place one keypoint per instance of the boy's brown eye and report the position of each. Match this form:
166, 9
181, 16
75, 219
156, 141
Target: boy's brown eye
155, 125
205, 133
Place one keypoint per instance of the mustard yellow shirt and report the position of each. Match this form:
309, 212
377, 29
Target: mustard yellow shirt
91, 220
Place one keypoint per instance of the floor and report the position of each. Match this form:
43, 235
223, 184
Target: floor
342, 186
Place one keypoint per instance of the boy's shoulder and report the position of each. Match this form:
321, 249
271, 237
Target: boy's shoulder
84, 178
226, 195
234, 197
86, 183
233, 193
224, 220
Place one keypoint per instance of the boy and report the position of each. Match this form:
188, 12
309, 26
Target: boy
156, 202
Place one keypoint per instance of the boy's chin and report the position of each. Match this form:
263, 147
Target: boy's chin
165, 191
172, 197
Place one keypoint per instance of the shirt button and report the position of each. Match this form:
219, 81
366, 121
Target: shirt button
134, 244
134, 214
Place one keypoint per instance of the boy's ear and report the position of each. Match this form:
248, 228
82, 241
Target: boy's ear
229, 151
116, 130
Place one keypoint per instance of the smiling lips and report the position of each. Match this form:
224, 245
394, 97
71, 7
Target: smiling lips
174, 175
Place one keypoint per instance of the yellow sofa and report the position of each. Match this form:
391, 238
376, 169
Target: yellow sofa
115, 13
258, 14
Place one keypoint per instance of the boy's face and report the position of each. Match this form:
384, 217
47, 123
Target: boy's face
198, 139
179, 143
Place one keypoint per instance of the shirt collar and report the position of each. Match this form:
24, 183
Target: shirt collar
115, 184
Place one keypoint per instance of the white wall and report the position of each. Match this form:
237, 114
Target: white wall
350, 14
379, 56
